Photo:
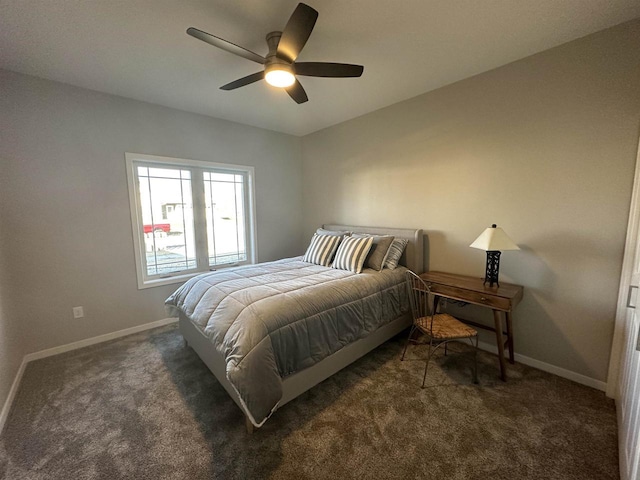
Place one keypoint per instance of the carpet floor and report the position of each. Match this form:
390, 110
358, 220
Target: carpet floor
146, 407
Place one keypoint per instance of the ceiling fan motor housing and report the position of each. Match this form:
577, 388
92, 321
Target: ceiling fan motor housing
273, 39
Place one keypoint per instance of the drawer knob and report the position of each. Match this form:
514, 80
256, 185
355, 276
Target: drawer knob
483, 299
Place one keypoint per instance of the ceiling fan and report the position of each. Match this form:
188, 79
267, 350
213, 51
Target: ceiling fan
280, 66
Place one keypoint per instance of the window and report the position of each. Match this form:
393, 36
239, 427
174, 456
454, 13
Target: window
189, 217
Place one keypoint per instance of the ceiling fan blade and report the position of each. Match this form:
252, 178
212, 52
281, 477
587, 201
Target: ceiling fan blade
296, 32
326, 69
225, 45
296, 92
241, 82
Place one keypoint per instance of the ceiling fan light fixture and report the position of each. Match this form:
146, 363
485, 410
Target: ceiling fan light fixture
280, 76
280, 66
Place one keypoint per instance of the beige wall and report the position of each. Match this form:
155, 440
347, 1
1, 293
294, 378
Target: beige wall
544, 147
67, 209
12, 347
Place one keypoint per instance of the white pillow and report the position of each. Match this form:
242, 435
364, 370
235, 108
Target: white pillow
337, 233
352, 253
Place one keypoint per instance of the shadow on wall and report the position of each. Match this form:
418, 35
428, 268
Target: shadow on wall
558, 310
425, 241
556, 347
534, 269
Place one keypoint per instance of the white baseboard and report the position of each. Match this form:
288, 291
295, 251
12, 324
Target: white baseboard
4, 414
67, 348
99, 339
547, 367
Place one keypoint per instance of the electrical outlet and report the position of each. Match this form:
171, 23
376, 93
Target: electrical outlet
78, 312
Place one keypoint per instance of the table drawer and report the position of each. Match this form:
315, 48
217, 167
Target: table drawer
470, 296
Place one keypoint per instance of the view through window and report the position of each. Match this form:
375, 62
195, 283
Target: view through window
224, 194
189, 216
167, 219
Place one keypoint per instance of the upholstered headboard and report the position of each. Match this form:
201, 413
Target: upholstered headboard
412, 258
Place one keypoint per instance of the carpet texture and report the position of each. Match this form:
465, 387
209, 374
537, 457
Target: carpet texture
146, 407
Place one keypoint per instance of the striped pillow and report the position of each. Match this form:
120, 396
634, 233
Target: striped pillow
351, 253
395, 252
321, 249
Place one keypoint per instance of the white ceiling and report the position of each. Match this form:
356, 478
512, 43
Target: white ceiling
139, 48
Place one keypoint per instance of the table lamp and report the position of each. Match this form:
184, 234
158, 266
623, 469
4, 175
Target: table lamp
492, 241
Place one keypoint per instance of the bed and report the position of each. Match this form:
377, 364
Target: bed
271, 331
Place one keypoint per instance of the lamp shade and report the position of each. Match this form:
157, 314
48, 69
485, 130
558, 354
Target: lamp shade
494, 239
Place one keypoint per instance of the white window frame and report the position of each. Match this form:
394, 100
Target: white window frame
133, 160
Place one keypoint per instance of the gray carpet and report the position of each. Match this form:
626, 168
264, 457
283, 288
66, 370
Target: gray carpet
145, 407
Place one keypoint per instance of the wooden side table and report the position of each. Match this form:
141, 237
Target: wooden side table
502, 300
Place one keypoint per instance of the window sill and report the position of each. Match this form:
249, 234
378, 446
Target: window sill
159, 282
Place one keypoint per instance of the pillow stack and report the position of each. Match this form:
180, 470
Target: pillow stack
354, 252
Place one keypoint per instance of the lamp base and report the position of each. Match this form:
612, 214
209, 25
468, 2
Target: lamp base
493, 268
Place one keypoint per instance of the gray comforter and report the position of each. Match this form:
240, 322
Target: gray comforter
273, 319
